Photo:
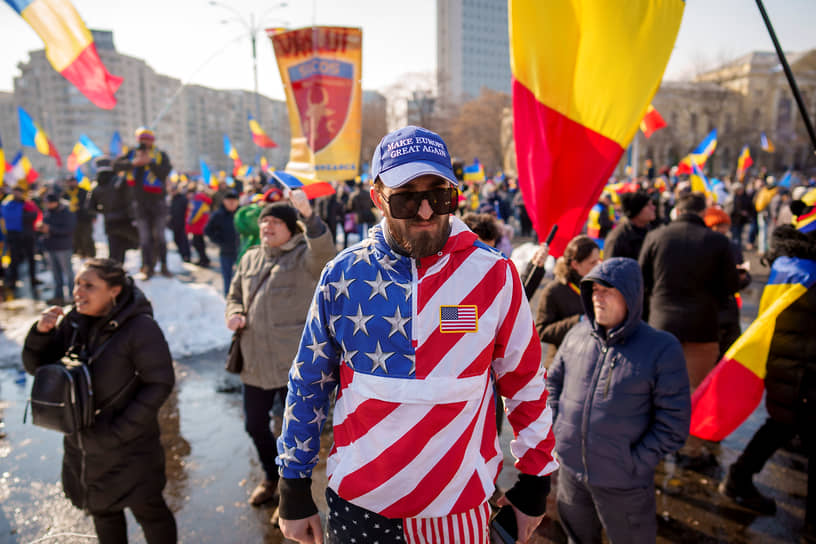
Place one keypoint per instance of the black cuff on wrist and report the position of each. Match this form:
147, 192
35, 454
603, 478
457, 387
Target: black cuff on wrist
530, 494
296, 498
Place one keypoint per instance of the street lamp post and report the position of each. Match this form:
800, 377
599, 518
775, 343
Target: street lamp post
252, 27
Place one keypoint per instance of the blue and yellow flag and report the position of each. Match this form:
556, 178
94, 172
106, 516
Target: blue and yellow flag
32, 135
474, 172
207, 175
84, 150
732, 391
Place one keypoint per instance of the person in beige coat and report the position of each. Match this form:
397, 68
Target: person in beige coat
279, 277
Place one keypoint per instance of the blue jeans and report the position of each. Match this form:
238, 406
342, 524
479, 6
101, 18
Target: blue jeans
227, 264
63, 272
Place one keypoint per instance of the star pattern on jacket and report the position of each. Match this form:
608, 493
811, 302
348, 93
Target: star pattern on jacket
341, 286
378, 358
397, 323
378, 286
360, 320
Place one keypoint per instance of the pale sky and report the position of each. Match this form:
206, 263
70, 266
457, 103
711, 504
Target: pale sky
177, 37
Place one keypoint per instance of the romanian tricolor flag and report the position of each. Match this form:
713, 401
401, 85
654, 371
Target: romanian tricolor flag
732, 391
115, 147
767, 144
207, 176
652, 121
474, 172
744, 162
33, 136
21, 168
84, 150
2, 162
700, 154
258, 135
700, 183
312, 188
584, 72
804, 212
232, 153
70, 48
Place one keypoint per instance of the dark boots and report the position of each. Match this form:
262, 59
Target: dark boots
740, 487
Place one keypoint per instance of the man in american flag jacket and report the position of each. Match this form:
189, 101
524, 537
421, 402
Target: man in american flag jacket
413, 327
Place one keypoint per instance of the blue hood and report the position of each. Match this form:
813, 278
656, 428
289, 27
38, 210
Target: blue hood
624, 275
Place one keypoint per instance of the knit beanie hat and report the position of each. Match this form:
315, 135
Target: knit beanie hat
284, 212
632, 203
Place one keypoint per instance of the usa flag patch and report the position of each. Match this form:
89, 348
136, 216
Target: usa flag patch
460, 318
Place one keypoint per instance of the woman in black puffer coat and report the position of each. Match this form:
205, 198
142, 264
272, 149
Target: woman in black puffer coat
117, 463
790, 385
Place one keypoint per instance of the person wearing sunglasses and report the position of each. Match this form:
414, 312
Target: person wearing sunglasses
415, 328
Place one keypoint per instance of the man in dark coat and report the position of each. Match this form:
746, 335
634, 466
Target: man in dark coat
790, 386
688, 272
58, 227
221, 230
626, 239
147, 168
620, 399
111, 198
79, 204
178, 220
19, 217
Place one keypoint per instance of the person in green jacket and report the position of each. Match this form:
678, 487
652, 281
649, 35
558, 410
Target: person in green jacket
246, 219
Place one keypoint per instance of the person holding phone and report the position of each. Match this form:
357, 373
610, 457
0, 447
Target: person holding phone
146, 168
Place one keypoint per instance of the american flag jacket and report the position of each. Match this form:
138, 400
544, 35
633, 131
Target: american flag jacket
413, 349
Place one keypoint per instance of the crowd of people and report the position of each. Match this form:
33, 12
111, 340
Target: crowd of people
393, 308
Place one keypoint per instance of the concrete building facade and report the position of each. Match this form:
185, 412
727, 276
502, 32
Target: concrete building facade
189, 125
472, 47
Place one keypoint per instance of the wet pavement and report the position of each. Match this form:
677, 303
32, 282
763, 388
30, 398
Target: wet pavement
212, 468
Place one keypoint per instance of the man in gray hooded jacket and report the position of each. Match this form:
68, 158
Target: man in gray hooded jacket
619, 392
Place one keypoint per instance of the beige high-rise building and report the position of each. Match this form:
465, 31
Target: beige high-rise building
189, 125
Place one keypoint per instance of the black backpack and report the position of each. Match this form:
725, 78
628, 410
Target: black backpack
62, 394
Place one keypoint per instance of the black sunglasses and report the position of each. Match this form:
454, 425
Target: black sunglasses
443, 200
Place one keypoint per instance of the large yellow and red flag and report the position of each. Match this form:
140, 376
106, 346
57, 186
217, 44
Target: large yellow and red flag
744, 162
584, 72
321, 68
70, 48
732, 391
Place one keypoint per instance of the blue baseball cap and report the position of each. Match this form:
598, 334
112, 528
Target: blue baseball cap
409, 152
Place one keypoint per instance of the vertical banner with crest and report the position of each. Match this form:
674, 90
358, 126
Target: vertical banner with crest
321, 70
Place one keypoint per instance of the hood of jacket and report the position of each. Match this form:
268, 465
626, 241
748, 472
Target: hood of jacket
624, 275
130, 303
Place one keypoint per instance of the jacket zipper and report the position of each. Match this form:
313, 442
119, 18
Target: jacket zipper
588, 409
608, 379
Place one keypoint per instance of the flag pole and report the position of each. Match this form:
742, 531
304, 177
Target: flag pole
789, 75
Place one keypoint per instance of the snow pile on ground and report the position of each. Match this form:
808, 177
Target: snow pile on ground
191, 315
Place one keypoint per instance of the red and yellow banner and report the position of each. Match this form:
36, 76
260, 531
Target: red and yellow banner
652, 122
734, 388
321, 71
584, 72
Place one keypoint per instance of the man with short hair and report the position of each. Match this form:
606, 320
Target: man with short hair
626, 239
221, 230
413, 327
620, 399
147, 168
688, 273
58, 227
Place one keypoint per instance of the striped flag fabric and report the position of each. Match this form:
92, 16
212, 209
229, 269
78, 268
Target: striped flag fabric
732, 391
458, 319
313, 188
652, 122
232, 153
2, 162
744, 162
766, 143
21, 168
70, 48
84, 150
207, 175
700, 154
474, 172
258, 135
115, 147
32, 135
804, 212
584, 73
700, 183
